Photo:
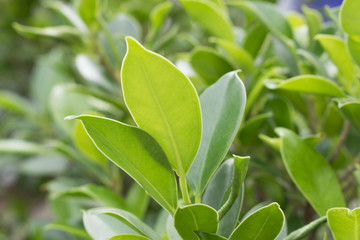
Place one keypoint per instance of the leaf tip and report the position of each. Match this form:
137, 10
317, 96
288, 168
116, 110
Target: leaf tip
71, 117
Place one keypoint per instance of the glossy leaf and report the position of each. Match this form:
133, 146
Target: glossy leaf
209, 64
103, 227
129, 237
222, 107
311, 173
101, 194
86, 146
349, 16
350, 109
302, 232
336, 49
130, 220
264, 224
216, 194
307, 83
344, 223
196, 217
129, 148
174, 120
210, 17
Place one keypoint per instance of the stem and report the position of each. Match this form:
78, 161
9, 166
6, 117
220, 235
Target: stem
184, 191
342, 138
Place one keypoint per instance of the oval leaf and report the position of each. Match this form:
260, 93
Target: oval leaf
150, 83
210, 17
307, 83
222, 106
311, 173
196, 217
349, 16
344, 223
129, 148
264, 224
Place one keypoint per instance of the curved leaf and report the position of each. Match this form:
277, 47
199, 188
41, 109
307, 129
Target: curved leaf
150, 83
196, 217
353, 45
344, 223
305, 230
222, 106
336, 49
264, 224
18, 146
130, 220
209, 64
129, 148
209, 236
307, 83
210, 16
311, 173
350, 109
349, 17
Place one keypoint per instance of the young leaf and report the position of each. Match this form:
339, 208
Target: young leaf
349, 17
130, 220
209, 64
307, 83
138, 154
302, 232
210, 16
164, 103
222, 106
196, 217
311, 173
336, 49
264, 224
216, 194
344, 223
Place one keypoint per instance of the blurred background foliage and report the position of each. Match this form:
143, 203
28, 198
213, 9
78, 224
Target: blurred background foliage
75, 69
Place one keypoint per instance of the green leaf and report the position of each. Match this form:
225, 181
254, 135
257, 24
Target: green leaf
311, 173
264, 224
255, 39
350, 109
302, 232
157, 19
281, 112
209, 64
210, 17
249, 131
88, 10
349, 16
128, 237
195, 217
336, 49
18, 146
15, 103
103, 227
307, 83
209, 236
66, 33
353, 45
69, 13
137, 200
218, 191
344, 223
150, 83
130, 220
75, 231
239, 55
101, 194
269, 16
129, 148
86, 146
222, 107
43, 165
313, 20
